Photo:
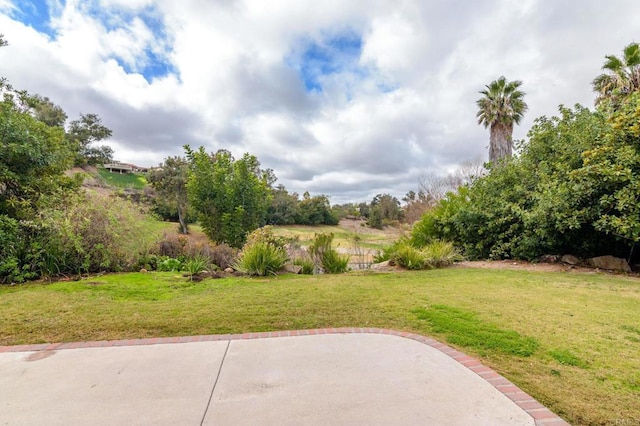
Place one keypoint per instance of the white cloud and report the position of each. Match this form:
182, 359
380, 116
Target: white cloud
232, 78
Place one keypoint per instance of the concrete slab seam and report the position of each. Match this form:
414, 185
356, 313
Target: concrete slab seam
542, 416
215, 383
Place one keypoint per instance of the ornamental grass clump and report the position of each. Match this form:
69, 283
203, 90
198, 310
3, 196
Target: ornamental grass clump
325, 257
436, 254
261, 258
439, 253
263, 254
196, 265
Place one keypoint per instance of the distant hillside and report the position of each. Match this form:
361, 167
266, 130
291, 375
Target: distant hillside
125, 180
101, 180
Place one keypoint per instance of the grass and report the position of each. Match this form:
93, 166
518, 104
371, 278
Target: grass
129, 180
569, 340
343, 237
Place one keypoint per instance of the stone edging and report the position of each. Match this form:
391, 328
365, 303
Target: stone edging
541, 415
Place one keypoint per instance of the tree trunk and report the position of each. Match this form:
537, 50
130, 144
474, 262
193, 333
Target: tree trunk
183, 224
500, 142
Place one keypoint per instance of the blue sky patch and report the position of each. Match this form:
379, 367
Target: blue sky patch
34, 13
335, 54
154, 63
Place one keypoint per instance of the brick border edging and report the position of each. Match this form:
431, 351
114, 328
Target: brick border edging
540, 414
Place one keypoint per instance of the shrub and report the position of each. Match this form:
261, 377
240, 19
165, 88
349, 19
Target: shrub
92, 233
170, 264
172, 245
181, 247
12, 245
266, 235
261, 258
221, 255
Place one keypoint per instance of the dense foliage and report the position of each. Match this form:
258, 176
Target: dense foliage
47, 227
573, 189
170, 183
230, 196
263, 254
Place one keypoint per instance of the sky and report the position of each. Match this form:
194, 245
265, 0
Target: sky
346, 98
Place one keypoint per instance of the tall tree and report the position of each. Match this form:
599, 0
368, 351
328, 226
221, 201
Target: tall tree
622, 76
33, 157
501, 106
43, 109
283, 209
384, 208
85, 132
315, 210
230, 196
170, 181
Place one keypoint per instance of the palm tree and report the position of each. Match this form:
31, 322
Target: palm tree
622, 76
500, 107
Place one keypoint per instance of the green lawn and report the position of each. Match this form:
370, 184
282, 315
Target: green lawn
128, 180
571, 340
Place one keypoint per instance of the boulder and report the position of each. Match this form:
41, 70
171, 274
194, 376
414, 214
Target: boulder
229, 270
569, 259
382, 265
292, 269
609, 263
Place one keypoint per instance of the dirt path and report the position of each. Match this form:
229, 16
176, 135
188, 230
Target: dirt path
518, 265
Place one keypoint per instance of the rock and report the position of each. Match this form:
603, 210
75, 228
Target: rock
229, 270
382, 265
292, 269
609, 263
570, 259
548, 258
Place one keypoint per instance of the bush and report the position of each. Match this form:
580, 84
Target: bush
92, 233
172, 245
261, 258
221, 255
170, 264
10, 248
266, 235
181, 247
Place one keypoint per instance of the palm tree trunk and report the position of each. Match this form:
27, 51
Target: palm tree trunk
500, 142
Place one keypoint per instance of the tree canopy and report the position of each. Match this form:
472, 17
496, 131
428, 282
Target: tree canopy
170, 181
230, 196
621, 77
85, 132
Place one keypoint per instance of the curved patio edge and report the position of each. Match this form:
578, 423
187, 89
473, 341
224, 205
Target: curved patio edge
541, 415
